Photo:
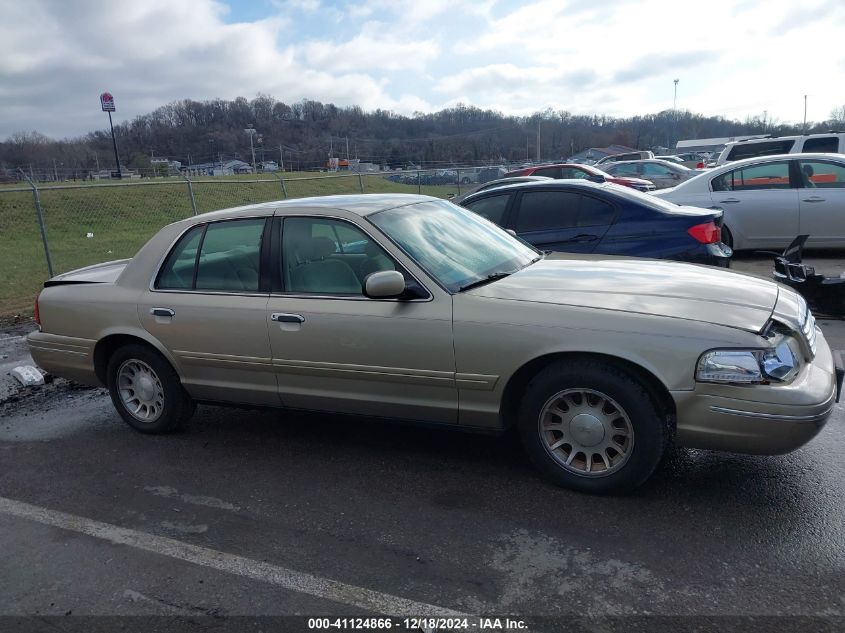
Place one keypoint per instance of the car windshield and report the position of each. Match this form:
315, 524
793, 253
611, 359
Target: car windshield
455, 246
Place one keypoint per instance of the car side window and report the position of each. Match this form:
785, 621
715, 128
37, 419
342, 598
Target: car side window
545, 210
752, 150
622, 170
822, 145
595, 212
651, 169
548, 172
177, 273
572, 172
754, 177
821, 174
230, 255
493, 208
329, 257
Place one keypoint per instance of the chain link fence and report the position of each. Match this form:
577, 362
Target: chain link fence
47, 230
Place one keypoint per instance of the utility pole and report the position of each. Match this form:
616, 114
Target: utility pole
251, 131
97, 159
55, 171
281, 159
805, 115
674, 115
347, 149
538, 138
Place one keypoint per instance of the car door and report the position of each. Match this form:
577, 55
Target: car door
821, 200
334, 349
759, 202
549, 220
208, 308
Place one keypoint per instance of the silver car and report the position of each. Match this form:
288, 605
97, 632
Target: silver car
769, 200
661, 173
411, 308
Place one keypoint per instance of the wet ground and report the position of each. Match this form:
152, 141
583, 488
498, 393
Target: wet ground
274, 513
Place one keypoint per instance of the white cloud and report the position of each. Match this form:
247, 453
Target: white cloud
616, 57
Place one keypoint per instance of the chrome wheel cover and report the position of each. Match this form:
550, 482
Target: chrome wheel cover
140, 390
586, 432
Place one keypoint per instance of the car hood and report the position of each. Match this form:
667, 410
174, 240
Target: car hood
644, 286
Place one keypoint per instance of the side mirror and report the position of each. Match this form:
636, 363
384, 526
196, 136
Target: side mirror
384, 284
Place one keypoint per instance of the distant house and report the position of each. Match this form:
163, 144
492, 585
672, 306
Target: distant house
225, 168
165, 165
595, 153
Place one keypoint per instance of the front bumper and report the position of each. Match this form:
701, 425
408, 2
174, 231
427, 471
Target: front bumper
760, 419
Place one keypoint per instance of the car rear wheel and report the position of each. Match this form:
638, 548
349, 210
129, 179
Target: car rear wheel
591, 427
146, 390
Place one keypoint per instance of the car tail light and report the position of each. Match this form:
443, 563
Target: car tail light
707, 233
699, 166
36, 315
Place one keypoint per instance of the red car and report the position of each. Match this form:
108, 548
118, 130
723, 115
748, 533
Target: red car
574, 170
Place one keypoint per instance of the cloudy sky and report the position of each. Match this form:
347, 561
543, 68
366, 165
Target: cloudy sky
615, 57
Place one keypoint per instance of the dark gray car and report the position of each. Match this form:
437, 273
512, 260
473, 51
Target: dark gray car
660, 172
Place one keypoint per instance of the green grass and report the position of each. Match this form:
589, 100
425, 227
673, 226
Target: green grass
123, 217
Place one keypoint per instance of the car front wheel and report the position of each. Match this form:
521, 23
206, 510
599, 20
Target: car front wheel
591, 427
146, 390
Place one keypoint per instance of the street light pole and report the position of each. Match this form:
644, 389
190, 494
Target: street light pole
805, 115
674, 114
251, 131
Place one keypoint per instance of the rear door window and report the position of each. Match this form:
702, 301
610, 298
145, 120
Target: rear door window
822, 174
545, 210
595, 212
822, 145
230, 255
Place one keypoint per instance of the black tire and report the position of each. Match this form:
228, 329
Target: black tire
727, 237
650, 426
177, 406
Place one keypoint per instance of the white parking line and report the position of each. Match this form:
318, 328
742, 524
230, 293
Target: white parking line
367, 599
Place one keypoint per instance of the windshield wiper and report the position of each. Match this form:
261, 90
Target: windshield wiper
486, 280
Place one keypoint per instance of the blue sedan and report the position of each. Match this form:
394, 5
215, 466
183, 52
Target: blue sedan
579, 216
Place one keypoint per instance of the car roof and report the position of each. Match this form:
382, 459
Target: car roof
775, 157
659, 161
362, 204
556, 183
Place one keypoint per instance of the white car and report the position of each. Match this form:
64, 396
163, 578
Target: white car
769, 200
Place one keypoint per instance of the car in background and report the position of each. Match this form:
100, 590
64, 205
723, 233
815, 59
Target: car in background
577, 171
580, 216
769, 200
660, 173
638, 155
671, 159
832, 142
497, 183
599, 363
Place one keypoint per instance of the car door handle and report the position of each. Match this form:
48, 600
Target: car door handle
730, 200
162, 312
281, 317
584, 237
812, 199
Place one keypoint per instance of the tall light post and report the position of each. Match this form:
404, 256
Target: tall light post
252, 132
674, 113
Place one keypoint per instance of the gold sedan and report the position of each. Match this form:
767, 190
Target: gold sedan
411, 308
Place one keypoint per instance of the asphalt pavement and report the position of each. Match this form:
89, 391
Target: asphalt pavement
272, 513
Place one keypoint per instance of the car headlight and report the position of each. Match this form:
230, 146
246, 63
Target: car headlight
748, 366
